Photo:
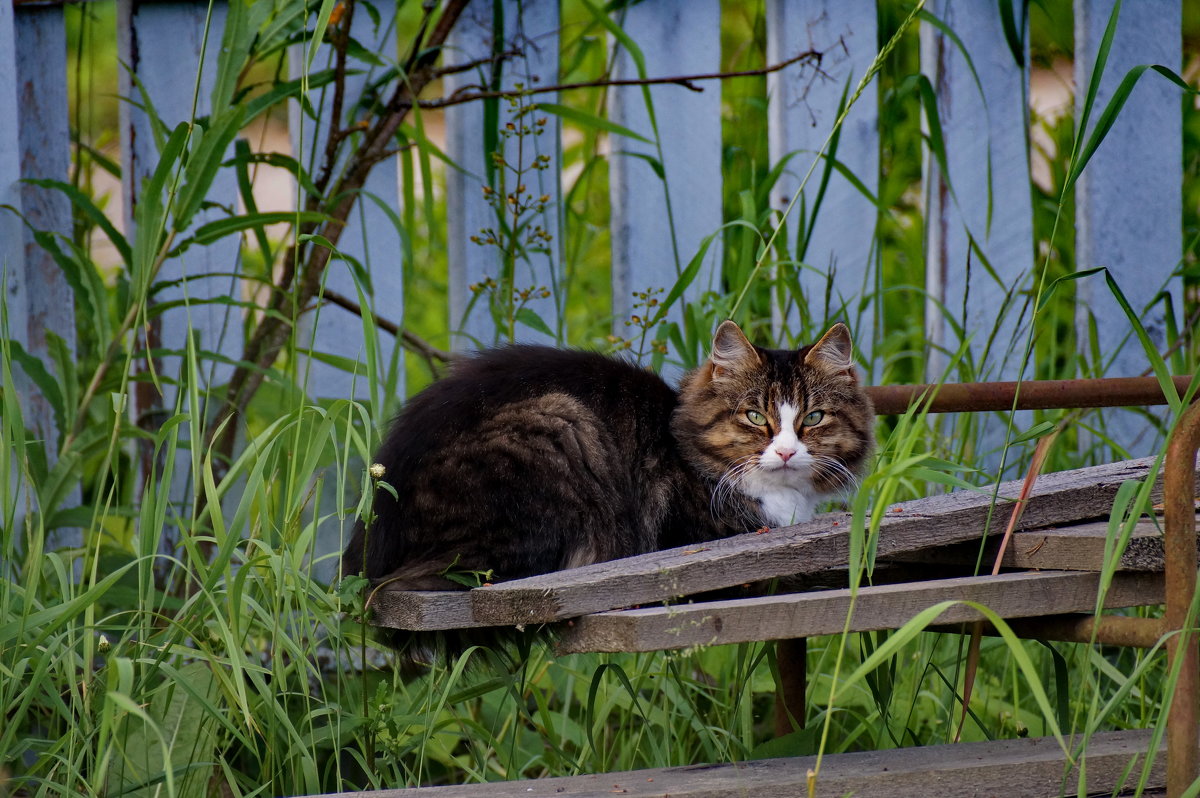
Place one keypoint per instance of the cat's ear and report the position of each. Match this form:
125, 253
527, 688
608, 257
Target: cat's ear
731, 351
834, 353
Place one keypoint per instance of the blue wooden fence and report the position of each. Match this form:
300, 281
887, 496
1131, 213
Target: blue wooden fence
979, 246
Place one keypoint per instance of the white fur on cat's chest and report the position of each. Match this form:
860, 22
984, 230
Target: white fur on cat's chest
783, 505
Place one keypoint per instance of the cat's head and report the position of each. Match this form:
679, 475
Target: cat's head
782, 427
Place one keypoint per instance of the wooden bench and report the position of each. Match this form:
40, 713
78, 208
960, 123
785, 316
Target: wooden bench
1052, 594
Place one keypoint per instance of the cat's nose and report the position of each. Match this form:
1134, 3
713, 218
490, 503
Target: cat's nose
785, 454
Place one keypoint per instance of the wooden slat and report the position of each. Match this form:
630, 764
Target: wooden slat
650, 246
422, 609
1128, 199
45, 150
371, 237
812, 547
530, 26
160, 45
1025, 767
985, 197
1070, 548
1018, 595
803, 105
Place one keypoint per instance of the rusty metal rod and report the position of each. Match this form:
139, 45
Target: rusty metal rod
1179, 543
960, 397
1107, 630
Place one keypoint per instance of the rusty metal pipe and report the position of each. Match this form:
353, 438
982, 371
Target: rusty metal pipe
958, 397
1179, 542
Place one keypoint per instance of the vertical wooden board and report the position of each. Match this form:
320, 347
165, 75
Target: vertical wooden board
1128, 201
12, 259
985, 198
45, 136
803, 106
657, 229
161, 43
530, 27
371, 236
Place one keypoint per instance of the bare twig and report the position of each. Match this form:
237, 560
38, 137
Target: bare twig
409, 340
463, 95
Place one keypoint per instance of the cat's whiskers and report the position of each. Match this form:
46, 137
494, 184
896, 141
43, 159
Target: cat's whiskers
729, 482
835, 470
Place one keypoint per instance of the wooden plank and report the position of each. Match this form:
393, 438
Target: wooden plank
1128, 200
984, 198
802, 107
1030, 766
161, 44
1017, 595
657, 228
803, 548
12, 257
530, 26
422, 609
1070, 548
45, 151
371, 238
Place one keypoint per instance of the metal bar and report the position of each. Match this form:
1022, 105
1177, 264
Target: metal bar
1179, 542
960, 397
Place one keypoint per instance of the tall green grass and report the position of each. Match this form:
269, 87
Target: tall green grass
192, 643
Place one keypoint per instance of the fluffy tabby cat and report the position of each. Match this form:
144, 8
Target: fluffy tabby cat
528, 459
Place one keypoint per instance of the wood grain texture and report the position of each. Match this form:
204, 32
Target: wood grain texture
803, 105
1028, 767
813, 547
1017, 595
1071, 548
1129, 197
532, 27
804, 548
653, 240
422, 609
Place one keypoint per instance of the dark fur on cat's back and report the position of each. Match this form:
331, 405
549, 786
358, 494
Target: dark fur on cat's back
528, 459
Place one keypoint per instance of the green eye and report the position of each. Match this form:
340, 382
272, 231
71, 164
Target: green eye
813, 418
756, 418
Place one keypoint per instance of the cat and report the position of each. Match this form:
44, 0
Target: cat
528, 459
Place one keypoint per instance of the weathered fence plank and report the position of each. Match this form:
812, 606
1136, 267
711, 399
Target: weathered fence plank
979, 216
13, 265
1128, 201
658, 223
804, 104
978, 212
45, 145
161, 45
1029, 766
806, 548
1017, 595
530, 28
371, 237
45, 151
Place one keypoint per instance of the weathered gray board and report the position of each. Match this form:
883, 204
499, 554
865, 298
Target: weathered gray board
45, 152
712, 623
531, 27
1070, 548
371, 238
1128, 200
803, 105
805, 548
657, 228
1033, 766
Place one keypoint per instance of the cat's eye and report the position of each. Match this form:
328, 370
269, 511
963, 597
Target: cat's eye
756, 418
813, 418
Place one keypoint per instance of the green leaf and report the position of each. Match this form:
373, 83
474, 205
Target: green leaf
203, 163
206, 234
532, 320
581, 117
1037, 431
282, 91
83, 203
